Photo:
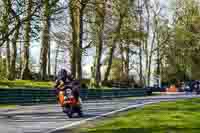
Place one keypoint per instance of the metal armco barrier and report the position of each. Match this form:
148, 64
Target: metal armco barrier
38, 96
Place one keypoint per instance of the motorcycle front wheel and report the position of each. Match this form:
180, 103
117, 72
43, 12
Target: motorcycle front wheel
68, 111
80, 112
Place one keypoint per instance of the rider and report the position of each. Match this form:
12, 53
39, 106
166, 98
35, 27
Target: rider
64, 78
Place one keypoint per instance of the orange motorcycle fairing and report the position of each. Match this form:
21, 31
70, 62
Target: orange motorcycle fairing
61, 97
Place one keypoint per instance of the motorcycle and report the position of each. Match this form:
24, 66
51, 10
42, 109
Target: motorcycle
69, 103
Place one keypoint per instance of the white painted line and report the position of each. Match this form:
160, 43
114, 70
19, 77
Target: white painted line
100, 116
168, 97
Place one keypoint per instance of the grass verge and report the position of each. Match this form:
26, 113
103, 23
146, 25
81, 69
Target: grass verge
34, 84
3, 106
166, 117
25, 84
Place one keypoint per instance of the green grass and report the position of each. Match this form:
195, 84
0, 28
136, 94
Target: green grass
167, 117
33, 84
25, 84
3, 106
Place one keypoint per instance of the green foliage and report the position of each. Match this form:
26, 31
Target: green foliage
133, 36
173, 117
116, 69
183, 53
183, 36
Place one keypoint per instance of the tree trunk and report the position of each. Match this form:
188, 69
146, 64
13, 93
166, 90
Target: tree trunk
45, 41
73, 54
158, 69
149, 71
1, 56
56, 60
126, 64
79, 46
140, 65
12, 74
146, 56
26, 74
73, 60
100, 15
112, 48
110, 59
98, 57
5, 29
98, 60
150, 57
122, 72
49, 61
8, 58
79, 56
21, 58
77, 10
141, 81
147, 52
75, 17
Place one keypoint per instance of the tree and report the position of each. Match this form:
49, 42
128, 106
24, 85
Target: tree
77, 8
5, 29
99, 27
48, 10
12, 72
182, 58
123, 8
26, 74
45, 39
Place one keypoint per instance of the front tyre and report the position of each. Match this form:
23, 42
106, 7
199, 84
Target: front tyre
69, 114
68, 111
198, 92
80, 112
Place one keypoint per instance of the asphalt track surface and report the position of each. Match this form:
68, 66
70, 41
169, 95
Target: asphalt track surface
47, 118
